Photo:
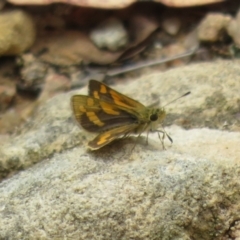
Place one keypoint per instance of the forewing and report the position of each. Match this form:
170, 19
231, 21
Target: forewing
101, 91
95, 115
106, 137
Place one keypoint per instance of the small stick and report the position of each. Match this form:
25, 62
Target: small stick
142, 64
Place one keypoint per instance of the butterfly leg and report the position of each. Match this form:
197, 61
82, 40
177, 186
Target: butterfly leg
147, 138
125, 135
135, 143
139, 135
163, 137
165, 133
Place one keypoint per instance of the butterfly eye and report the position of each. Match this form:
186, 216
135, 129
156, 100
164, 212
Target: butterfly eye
154, 117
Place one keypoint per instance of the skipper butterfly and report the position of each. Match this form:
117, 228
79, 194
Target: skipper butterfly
113, 115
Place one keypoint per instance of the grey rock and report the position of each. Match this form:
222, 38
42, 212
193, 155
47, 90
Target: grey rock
110, 34
189, 191
211, 27
17, 32
171, 25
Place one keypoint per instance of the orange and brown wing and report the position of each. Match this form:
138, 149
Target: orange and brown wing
101, 91
106, 137
95, 115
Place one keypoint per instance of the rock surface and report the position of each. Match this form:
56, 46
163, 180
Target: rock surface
17, 32
212, 26
110, 35
189, 191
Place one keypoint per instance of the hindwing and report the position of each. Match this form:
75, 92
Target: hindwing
106, 137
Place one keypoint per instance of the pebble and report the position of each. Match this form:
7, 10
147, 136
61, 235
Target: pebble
110, 35
210, 29
17, 32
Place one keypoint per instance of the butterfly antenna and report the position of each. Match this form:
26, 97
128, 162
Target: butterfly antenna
185, 94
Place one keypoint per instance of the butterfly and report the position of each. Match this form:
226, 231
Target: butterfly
112, 115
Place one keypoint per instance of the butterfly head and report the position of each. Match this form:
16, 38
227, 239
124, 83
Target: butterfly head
156, 117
